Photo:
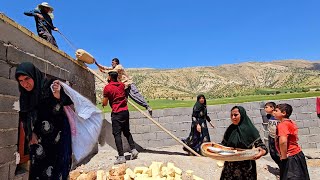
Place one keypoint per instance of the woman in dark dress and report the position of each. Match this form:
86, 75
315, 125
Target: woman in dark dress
242, 134
45, 124
199, 129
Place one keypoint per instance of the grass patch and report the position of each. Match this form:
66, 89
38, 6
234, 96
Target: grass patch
167, 103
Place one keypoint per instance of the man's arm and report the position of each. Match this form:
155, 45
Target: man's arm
31, 13
104, 101
104, 68
283, 144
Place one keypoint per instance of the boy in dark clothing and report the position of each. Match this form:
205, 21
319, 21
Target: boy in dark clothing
114, 92
44, 22
269, 107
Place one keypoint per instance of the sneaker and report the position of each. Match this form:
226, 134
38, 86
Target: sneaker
149, 110
134, 154
120, 160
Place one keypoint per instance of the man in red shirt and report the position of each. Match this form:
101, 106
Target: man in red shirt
114, 92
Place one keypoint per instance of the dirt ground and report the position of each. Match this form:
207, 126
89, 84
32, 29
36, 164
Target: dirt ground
203, 167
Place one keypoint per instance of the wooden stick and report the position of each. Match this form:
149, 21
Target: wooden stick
150, 118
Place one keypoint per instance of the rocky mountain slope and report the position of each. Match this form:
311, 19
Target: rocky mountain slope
225, 80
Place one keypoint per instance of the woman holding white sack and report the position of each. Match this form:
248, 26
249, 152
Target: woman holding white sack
43, 110
45, 123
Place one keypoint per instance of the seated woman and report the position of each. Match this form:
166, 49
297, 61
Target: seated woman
199, 129
242, 134
45, 123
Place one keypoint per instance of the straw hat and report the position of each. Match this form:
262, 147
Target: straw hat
45, 4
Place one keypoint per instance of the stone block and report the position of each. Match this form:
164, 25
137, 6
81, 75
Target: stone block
8, 137
303, 131
257, 120
7, 154
306, 109
6, 103
4, 171
311, 101
9, 87
303, 139
223, 114
182, 118
154, 128
214, 108
149, 136
310, 123
136, 115
184, 125
314, 115
135, 121
219, 123
157, 113
133, 129
301, 116
165, 120
17, 56
143, 144
299, 123
4, 69
228, 107
147, 121
9, 120
3, 52
54, 57
169, 142
142, 128
155, 143
12, 35
213, 115
12, 169
161, 135
247, 106
314, 130
314, 138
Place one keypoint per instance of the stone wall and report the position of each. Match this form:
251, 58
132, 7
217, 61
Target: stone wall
17, 45
178, 121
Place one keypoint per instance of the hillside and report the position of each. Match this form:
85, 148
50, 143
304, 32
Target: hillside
225, 80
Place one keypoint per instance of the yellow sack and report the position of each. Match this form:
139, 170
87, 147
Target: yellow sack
84, 56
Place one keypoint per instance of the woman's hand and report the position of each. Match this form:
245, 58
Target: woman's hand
198, 128
260, 154
34, 139
56, 87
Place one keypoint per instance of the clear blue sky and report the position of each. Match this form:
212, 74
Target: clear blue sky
183, 33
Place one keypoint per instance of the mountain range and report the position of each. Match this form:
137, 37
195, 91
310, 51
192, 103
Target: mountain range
225, 80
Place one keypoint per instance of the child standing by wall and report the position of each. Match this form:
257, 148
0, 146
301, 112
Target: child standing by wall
293, 162
269, 107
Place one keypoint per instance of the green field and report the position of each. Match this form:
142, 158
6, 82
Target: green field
166, 103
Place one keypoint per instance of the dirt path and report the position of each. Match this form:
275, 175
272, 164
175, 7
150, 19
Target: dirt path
203, 167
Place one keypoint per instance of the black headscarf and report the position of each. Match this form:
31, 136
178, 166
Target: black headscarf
198, 107
30, 99
245, 133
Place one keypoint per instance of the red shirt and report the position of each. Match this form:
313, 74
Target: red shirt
289, 129
116, 95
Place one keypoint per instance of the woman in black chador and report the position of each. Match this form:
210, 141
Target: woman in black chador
199, 129
46, 126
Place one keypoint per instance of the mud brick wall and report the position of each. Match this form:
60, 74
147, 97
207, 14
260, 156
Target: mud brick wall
178, 121
17, 45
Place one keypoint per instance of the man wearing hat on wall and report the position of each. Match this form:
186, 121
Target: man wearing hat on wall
43, 17
114, 92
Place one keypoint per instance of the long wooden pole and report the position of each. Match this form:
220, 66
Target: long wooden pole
150, 118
